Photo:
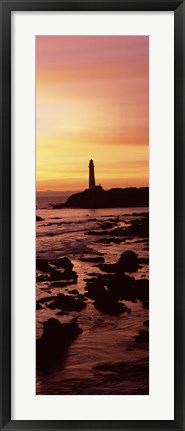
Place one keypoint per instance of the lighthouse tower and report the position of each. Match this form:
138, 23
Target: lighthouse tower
91, 175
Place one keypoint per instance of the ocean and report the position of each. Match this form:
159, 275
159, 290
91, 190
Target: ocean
111, 355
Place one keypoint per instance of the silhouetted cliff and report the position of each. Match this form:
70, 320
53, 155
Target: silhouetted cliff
113, 198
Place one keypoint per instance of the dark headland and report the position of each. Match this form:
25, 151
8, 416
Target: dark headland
97, 197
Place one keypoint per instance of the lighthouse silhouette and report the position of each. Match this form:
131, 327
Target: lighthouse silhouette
91, 175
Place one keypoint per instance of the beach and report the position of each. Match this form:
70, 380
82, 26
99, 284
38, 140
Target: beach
86, 279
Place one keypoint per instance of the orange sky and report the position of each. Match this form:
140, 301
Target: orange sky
91, 102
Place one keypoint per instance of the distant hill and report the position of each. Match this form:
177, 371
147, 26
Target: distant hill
113, 198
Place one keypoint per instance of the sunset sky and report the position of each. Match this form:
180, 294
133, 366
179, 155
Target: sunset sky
92, 103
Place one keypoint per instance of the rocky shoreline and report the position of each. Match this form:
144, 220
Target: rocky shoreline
110, 288
113, 198
108, 291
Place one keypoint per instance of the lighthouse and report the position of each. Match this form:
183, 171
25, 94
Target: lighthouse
91, 175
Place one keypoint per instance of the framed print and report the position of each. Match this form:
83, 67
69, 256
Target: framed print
79, 281
92, 215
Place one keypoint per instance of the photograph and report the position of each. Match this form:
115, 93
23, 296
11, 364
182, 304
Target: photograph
92, 215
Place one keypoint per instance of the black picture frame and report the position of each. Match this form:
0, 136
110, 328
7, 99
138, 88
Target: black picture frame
6, 7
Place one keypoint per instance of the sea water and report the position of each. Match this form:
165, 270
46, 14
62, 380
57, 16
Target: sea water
105, 358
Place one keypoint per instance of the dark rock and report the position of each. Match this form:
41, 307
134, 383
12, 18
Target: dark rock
144, 260
109, 267
138, 228
62, 313
38, 218
119, 285
91, 274
110, 306
142, 289
97, 279
56, 275
142, 337
47, 299
52, 346
38, 306
54, 224
64, 262
106, 300
81, 296
106, 225
119, 231
99, 198
42, 278
62, 283
128, 262
95, 292
145, 304
146, 323
43, 265
127, 288
67, 303
73, 292
66, 275
139, 214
